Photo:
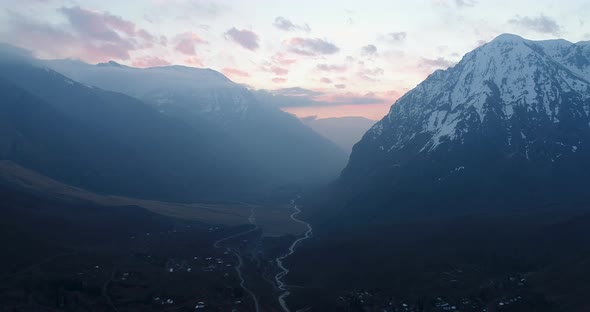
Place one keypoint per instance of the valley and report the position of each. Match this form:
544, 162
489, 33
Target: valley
175, 265
416, 172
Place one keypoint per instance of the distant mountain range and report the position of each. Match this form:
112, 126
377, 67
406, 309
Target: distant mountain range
178, 134
344, 131
277, 146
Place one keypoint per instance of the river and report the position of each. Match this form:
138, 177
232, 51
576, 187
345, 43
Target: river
279, 261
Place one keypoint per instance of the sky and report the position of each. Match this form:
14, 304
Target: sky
333, 57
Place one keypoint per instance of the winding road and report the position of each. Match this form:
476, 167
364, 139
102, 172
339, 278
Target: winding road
284, 271
238, 268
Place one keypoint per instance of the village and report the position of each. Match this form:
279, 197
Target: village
511, 293
175, 269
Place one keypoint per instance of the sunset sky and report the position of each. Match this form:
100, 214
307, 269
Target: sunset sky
351, 58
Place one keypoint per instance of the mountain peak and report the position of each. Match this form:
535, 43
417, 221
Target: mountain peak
508, 78
110, 64
513, 108
508, 38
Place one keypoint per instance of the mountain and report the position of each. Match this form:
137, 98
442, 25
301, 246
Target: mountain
344, 131
471, 191
507, 128
109, 142
277, 144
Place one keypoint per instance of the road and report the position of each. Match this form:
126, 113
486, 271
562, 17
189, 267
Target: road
238, 268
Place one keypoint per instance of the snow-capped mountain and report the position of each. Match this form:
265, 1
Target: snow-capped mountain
510, 110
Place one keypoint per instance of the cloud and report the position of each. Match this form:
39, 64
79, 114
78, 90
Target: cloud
540, 24
369, 50
194, 61
465, 3
187, 41
207, 8
279, 71
286, 25
282, 59
458, 3
350, 98
325, 80
145, 35
245, 38
279, 80
234, 72
191, 9
340, 86
88, 35
311, 47
148, 61
97, 25
396, 37
301, 97
185, 46
308, 118
440, 62
297, 91
331, 68
163, 40
370, 74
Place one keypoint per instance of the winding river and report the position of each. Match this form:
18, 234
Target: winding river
279, 261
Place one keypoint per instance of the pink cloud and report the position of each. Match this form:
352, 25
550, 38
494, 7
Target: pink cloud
282, 59
340, 86
279, 71
53, 42
88, 35
187, 42
98, 25
234, 72
325, 80
145, 62
245, 38
279, 80
185, 46
194, 61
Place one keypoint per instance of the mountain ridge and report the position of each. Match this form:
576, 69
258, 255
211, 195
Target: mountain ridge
508, 118
262, 133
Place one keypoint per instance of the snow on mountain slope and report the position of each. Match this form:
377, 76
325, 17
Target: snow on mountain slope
506, 129
506, 75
